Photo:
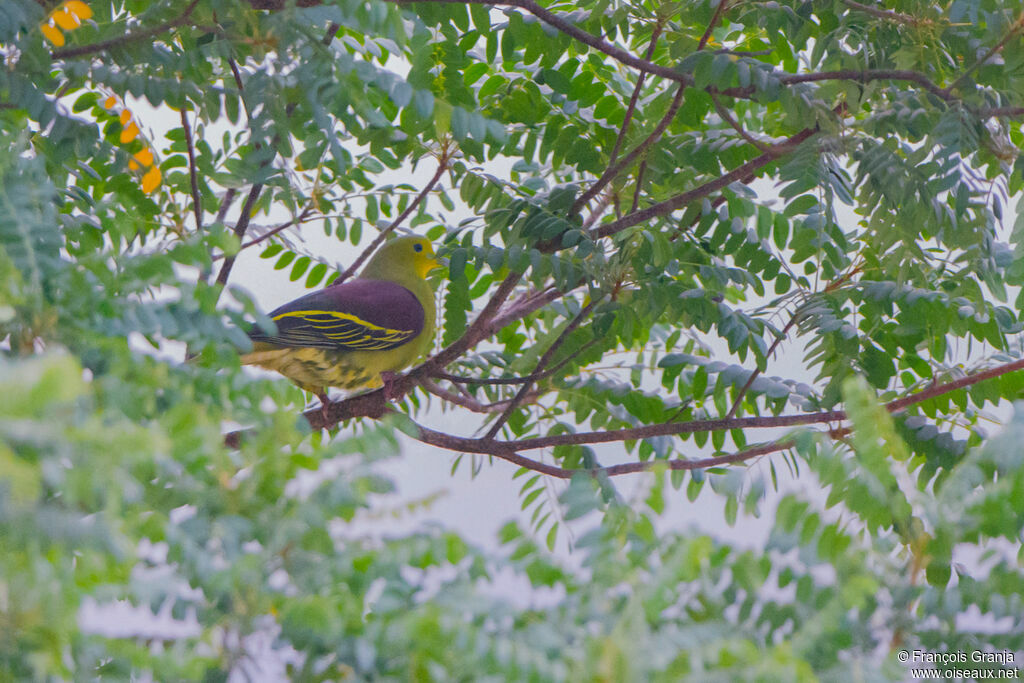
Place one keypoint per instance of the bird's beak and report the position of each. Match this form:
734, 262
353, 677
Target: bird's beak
429, 263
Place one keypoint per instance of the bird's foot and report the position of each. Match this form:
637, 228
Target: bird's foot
324, 405
388, 379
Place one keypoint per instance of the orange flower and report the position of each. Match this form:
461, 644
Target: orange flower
130, 132
65, 19
79, 9
52, 34
151, 180
110, 102
145, 157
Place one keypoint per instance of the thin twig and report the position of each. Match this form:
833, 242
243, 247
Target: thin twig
889, 15
681, 200
716, 17
638, 187
623, 129
273, 231
597, 211
332, 29
193, 176
102, 46
535, 377
541, 365
524, 307
613, 171
240, 227
480, 328
365, 254
469, 402
757, 371
225, 204
727, 117
1015, 28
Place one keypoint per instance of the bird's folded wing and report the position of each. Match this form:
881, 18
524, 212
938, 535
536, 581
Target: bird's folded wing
356, 315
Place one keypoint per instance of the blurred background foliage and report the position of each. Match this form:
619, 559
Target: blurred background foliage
872, 228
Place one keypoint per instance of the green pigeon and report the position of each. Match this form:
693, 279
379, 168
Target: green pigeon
358, 333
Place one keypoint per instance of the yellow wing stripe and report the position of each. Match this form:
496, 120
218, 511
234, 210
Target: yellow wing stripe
341, 316
345, 328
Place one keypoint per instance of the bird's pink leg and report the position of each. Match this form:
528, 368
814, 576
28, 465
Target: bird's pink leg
388, 378
324, 403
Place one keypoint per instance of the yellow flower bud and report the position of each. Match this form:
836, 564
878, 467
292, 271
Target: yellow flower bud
79, 9
52, 34
65, 20
151, 180
130, 132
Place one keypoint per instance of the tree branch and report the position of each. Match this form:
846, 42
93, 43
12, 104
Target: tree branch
458, 444
757, 371
102, 46
613, 171
715, 18
889, 15
541, 365
273, 231
681, 200
735, 125
1014, 29
469, 402
197, 205
623, 129
534, 377
240, 227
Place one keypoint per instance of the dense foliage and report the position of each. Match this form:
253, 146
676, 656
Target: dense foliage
650, 210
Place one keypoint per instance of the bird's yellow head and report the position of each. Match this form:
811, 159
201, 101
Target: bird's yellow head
403, 254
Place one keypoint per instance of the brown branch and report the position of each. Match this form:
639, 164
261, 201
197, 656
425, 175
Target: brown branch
757, 371
468, 402
277, 229
240, 227
102, 46
597, 211
225, 205
1012, 112
462, 445
480, 329
193, 176
613, 171
524, 307
889, 15
541, 365
681, 200
365, 254
735, 125
715, 18
627, 59
273, 231
673, 428
639, 186
534, 377
332, 30
1015, 28
372, 404
623, 129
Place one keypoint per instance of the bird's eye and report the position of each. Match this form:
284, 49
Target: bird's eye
417, 247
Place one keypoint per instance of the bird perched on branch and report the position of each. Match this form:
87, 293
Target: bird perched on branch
358, 333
